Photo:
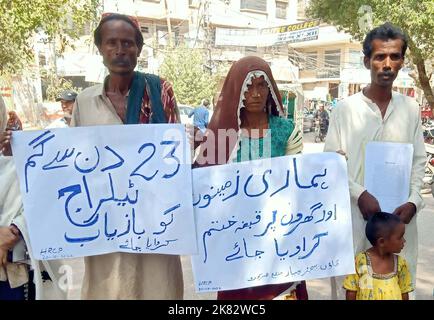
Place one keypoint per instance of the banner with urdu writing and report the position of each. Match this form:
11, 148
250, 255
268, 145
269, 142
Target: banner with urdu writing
95, 190
272, 221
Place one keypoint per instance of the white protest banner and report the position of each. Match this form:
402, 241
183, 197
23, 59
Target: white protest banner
96, 190
272, 221
299, 32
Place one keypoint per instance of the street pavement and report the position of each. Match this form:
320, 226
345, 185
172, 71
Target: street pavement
319, 289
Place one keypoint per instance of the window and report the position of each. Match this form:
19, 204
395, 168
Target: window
143, 63
281, 8
256, 5
42, 60
311, 60
332, 58
144, 29
301, 9
250, 50
355, 59
332, 64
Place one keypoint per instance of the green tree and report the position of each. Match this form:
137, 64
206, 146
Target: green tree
21, 19
188, 72
56, 85
415, 17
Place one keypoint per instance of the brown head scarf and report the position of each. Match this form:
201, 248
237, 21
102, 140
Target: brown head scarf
227, 112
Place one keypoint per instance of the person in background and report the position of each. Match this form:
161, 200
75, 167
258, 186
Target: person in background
322, 116
67, 100
200, 116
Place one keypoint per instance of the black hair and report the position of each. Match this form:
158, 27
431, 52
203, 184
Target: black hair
97, 33
381, 224
384, 32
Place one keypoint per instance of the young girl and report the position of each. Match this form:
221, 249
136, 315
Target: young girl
381, 274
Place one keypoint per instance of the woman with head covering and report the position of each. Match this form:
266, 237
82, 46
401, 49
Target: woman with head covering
249, 111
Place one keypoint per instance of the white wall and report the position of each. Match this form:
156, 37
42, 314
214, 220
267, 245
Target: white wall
231, 16
178, 9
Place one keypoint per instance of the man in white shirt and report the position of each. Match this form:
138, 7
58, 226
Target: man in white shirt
379, 114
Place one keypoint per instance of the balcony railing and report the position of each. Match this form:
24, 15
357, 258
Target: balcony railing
328, 73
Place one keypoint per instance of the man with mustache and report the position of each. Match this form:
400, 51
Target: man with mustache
379, 114
127, 97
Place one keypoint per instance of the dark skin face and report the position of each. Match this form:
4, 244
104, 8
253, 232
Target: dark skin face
385, 62
395, 242
67, 106
256, 96
253, 116
118, 47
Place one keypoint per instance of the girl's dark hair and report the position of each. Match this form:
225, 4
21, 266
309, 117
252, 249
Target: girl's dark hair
115, 16
381, 224
384, 32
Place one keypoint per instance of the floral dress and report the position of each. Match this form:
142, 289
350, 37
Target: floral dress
373, 286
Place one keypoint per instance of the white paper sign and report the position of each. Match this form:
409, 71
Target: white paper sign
272, 221
95, 190
388, 173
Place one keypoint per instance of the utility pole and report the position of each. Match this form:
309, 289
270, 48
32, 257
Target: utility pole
169, 25
207, 30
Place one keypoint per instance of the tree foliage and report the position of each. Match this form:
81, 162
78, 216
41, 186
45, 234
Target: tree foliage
187, 70
56, 85
21, 19
415, 17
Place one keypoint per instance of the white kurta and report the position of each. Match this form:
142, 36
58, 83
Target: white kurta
356, 121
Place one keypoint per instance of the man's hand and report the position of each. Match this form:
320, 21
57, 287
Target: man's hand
5, 143
9, 236
406, 212
368, 205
